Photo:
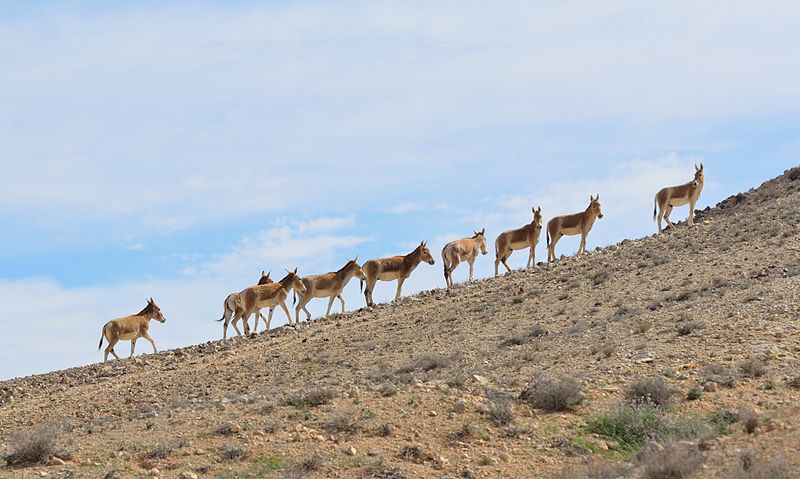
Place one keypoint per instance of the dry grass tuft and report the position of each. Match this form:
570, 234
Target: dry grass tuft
551, 394
33, 447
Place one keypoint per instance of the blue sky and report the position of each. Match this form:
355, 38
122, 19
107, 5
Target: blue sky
175, 152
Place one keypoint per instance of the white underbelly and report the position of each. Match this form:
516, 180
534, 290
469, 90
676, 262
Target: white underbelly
678, 201
571, 231
389, 276
520, 245
128, 336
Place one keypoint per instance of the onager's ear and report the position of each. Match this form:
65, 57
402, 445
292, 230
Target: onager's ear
483, 232
263, 273
701, 167
597, 198
591, 199
539, 209
696, 168
295, 270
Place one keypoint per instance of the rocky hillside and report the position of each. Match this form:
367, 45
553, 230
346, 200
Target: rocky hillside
664, 357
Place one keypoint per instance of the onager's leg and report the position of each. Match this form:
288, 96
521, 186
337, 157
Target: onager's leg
582, 248
330, 305
236, 320
147, 337
110, 349
269, 317
505, 257
301, 305
453, 265
551, 252
342, 300
368, 290
531, 257
258, 315
661, 211
133, 345
666, 217
471, 262
691, 212
400, 281
286, 310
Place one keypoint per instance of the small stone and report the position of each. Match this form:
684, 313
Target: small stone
710, 386
56, 461
480, 380
433, 414
459, 407
187, 475
467, 473
154, 472
350, 451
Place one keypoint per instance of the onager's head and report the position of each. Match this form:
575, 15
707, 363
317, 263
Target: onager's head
357, 271
425, 253
480, 236
265, 279
154, 312
293, 281
594, 206
698, 175
537, 217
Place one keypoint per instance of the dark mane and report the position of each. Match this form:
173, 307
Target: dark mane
147, 310
344, 268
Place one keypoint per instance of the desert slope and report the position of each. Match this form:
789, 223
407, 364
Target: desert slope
431, 386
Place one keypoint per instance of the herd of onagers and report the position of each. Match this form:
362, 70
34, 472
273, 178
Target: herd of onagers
269, 294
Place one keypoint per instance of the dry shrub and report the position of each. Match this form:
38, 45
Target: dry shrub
425, 362
655, 391
313, 397
552, 394
34, 446
670, 462
751, 466
380, 470
688, 328
234, 452
753, 368
719, 374
467, 433
794, 382
311, 462
594, 470
749, 419
500, 411
343, 422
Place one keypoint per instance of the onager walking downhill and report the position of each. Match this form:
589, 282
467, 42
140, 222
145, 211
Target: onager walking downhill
267, 296
232, 308
679, 195
570, 225
328, 285
130, 328
520, 238
465, 249
394, 268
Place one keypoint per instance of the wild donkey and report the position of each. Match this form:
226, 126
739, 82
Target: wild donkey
679, 195
570, 225
520, 238
130, 327
465, 249
266, 296
328, 285
232, 308
394, 268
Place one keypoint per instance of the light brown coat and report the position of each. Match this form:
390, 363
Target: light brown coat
687, 193
465, 249
130, 328
570, 225
267, 296
328, 285
526, 237
394, 268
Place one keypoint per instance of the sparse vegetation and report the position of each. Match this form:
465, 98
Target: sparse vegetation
630, 426
234, 452
753, 368
551, 394
689, 327
655, 391
311, 398
500, 411
343, 422
594, 470
719, 374
425, 362
695, 393
34, 446
519, 339
750, 420
752, 466
675, 461
309, 463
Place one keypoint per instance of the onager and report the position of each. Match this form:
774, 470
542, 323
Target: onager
520, 238
328, 285
267, 296
570, 225
231, 305
465, 249
130, 328
679, 195
394, 268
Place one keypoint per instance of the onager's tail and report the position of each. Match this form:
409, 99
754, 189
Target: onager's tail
360, 285
226, 309
102, 336
548, 237
294, 297
445, 272
655, 207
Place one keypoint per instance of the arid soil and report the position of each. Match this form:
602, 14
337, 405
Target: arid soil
432, 386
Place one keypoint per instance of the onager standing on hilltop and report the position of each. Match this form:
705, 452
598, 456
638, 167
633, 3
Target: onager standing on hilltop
266, 296
232, 308
520, 238
570, 225
465, 249
394, 268
328, 285
130, 328
679, 195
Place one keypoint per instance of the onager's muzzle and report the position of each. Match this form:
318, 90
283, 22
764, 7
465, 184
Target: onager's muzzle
600, 216
432, 261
